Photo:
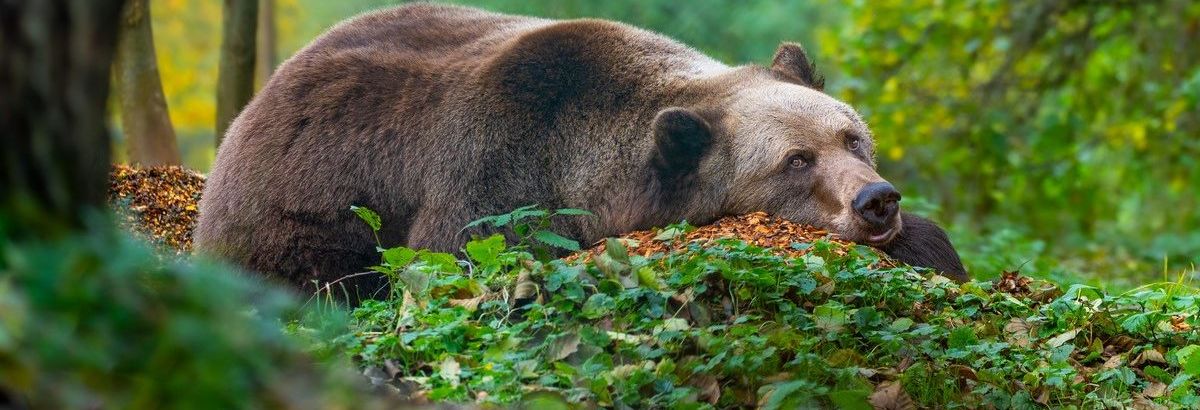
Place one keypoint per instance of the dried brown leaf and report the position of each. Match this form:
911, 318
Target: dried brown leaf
964, 372
1148, 356
1114, 362
708, 386
1142, 403
564, 346
1155, 390
1017, 332
891, 396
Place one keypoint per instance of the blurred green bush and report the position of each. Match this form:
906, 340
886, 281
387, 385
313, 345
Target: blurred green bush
1071, 122
98, 321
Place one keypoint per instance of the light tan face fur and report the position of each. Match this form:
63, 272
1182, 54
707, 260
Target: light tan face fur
773, 123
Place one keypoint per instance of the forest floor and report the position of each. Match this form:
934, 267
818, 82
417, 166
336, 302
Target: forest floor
750, 311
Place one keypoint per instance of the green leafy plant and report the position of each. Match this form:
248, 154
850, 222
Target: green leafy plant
728, 324
99, 320
532, 226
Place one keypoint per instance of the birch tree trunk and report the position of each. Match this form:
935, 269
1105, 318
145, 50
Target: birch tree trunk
149, 136
235, 74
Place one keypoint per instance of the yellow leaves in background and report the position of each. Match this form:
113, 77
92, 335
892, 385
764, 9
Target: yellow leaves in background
287, 17
1137, 133
1129, 133
187, 39
890, 91
187, 35
1171, 115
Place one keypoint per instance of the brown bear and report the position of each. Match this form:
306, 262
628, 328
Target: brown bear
437, 115
923, 243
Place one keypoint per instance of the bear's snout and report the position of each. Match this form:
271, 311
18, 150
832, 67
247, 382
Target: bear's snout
878, 203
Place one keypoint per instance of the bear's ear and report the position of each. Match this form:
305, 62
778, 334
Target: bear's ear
792, 64
681, 139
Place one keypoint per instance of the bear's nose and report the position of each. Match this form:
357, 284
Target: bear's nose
877, 203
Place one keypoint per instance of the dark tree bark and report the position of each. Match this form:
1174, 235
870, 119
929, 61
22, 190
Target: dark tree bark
55, 60
267, 58
235, 75
149, 136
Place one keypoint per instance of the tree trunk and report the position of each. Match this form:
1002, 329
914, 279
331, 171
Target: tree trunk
235, 75
55, 58
266, 61
149, 135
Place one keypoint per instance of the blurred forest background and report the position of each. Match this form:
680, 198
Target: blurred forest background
1061, 138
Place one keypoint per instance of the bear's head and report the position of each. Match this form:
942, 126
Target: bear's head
771, 140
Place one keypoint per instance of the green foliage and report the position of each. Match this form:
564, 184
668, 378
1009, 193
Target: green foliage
532, 226
734, 325
1065, 122
98, 321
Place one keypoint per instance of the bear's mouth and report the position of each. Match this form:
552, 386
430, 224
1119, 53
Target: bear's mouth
884, 237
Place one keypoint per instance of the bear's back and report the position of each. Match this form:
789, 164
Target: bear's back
430, 32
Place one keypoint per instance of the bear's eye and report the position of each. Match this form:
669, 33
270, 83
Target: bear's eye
797, 161
853, 143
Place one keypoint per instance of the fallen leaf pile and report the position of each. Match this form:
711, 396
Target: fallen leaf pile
159, 203
757, 228
1013, 282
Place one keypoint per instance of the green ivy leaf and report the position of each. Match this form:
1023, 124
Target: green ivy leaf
556, 240
901, 324
546, 400
594, 336
851, 399
1136, 322
573, 211
485, 251
562, 274
670, 233
477, 222
443, 262
616, 250
648, 278
368, 216
598, 305
961, 337
1189, 359
791, 395
399, 257
830, 317
414, 281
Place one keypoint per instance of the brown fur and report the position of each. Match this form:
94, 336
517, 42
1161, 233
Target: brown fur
922, 243
434, 116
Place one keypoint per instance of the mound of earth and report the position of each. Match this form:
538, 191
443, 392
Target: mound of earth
158, 203
784, 238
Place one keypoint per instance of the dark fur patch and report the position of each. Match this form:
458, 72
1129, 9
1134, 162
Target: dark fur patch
681, 138
544, 69
792, 64
922, 243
